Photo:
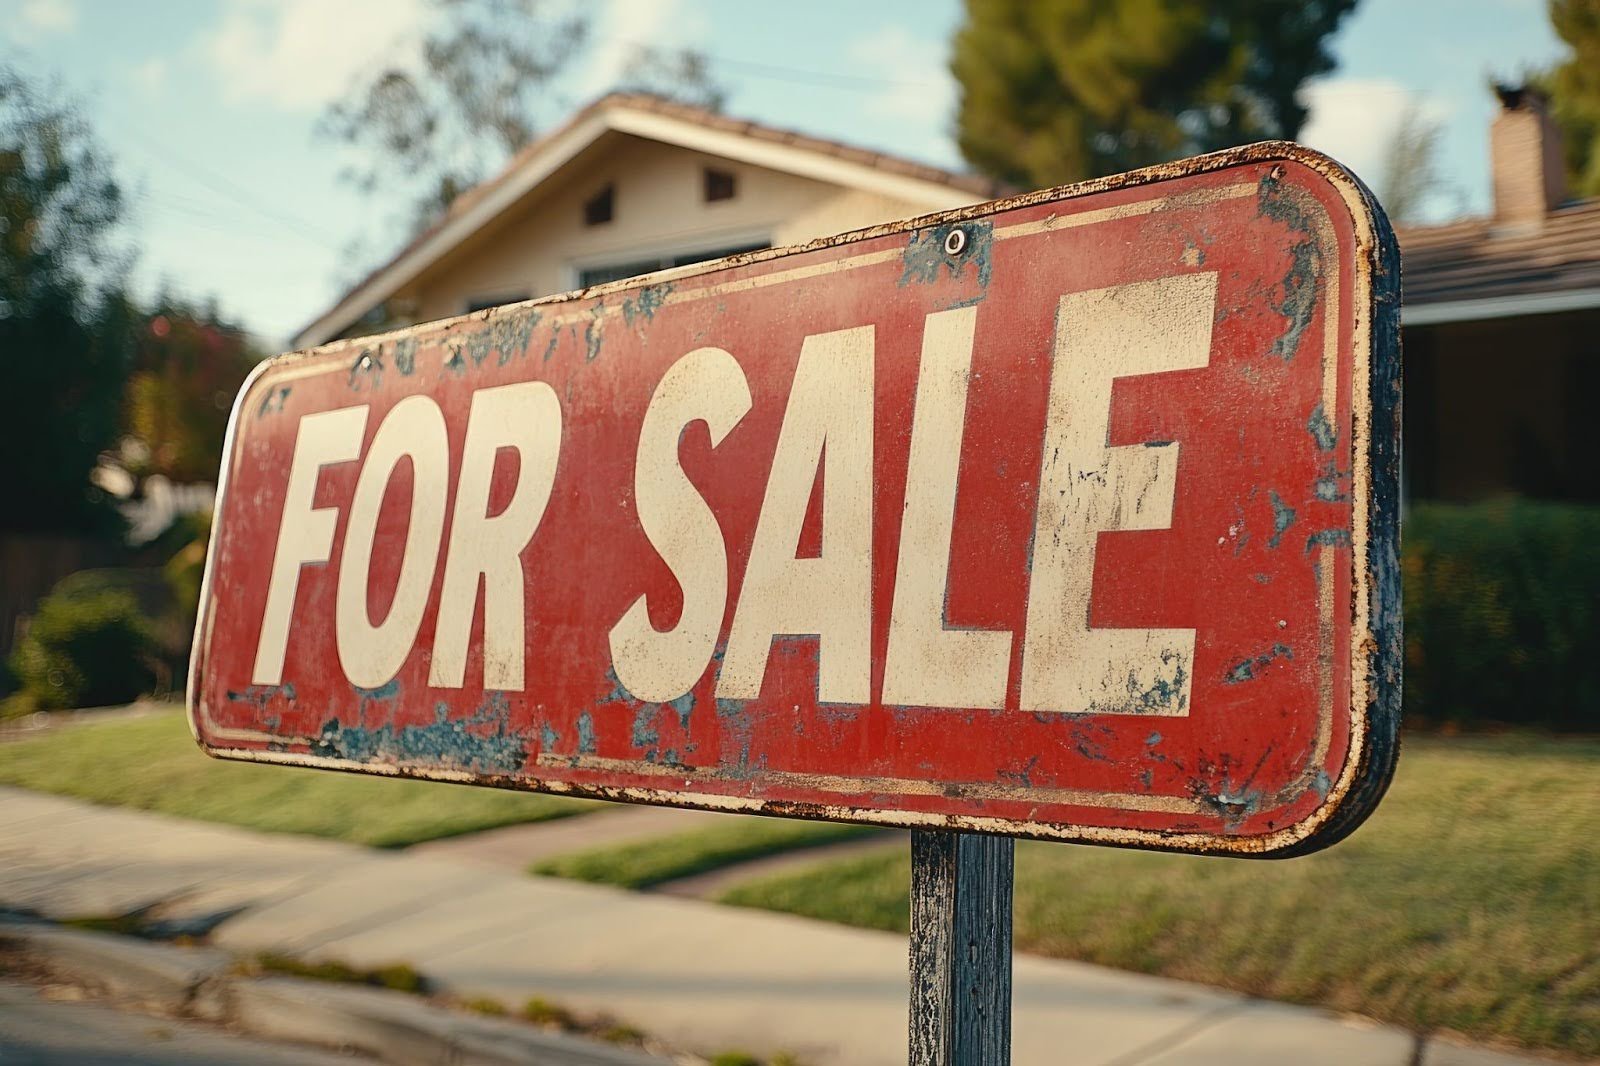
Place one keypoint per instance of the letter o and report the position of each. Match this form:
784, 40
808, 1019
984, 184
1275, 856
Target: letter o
370, 654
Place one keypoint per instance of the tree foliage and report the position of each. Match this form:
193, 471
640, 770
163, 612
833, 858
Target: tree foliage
64, 330
1053, 91
681, 74
435, 124
1411, 170
188, 366
1574, 88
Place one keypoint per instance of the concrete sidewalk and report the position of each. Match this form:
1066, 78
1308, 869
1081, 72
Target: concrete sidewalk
694, 974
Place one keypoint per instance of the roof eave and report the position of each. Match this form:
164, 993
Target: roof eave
608, 115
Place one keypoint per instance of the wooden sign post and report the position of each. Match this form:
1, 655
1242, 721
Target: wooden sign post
960, 948
1071, 516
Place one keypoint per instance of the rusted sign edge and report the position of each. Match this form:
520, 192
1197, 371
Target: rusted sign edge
1375, 641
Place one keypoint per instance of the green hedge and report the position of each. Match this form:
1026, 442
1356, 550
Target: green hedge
89, 644
1502, 611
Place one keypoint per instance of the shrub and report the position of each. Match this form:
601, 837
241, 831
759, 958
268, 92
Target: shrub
87, 645
551, 1015
1502, 613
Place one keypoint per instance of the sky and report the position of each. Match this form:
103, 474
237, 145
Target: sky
210, 108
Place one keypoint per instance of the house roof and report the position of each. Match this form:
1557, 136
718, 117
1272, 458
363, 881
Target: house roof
654, 118
1462, 271
1479, 268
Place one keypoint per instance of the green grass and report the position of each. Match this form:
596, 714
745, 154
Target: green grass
151, 762
397, 977
676, 855
1469, 902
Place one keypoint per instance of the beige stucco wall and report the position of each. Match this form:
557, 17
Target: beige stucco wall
538, 248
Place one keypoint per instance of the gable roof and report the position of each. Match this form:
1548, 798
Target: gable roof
659, 119
1461, 271
1478, 268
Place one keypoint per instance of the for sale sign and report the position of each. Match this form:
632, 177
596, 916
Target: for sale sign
1067, 516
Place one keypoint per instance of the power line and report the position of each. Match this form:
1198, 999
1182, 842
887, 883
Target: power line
222, 185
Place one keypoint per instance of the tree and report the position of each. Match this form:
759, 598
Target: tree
680, 74
188, 366
1053, 91
64, 329
436, 126
1411, 170
1574, 89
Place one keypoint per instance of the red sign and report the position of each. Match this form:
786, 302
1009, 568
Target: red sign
1068, 516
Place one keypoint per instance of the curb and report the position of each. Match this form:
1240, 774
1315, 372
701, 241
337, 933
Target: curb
199, 982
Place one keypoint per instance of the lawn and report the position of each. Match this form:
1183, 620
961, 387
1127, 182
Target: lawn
151, 762
666, 858
1470, 901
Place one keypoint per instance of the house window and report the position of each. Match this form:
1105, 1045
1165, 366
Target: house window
720, 185
600, 207
599, 275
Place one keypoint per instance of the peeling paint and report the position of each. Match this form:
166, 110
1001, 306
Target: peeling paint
739, 728
591, 336
478, 346
645, 734
683, 706
585, 733
512, 334
367, 370
273, 401
1299, 284
925, 259
1164, 695
405, 356
1282, 518
455, 364
1321, 429
1333, 538
645, 302
261, 695
1248, 669
458, 744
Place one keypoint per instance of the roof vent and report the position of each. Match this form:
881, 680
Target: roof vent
1526, 158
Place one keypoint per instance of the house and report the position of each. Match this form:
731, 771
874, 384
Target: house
1501, 314
631, 184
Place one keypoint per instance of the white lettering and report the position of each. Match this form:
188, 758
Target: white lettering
830, 404
305, 533
372, 654
487, 549
929, 665
1146, 327
705, 385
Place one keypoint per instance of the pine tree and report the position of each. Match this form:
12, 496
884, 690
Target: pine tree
1061, 90
1574, 88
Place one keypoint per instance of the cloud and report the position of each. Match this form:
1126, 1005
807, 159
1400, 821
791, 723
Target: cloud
301, 54
1354, 119
624, 26
151, 75
41, 18
918, 85
914, 106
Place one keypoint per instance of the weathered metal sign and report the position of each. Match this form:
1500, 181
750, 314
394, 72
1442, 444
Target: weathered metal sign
1067, 516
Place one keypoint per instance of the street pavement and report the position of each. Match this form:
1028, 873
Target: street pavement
692, 974
40, 1030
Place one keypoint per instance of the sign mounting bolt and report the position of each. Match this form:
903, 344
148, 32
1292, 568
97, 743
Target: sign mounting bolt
955, 242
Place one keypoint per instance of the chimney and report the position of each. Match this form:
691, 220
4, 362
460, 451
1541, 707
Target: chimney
1526, 158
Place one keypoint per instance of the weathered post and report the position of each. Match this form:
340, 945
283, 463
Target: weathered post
960, 948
